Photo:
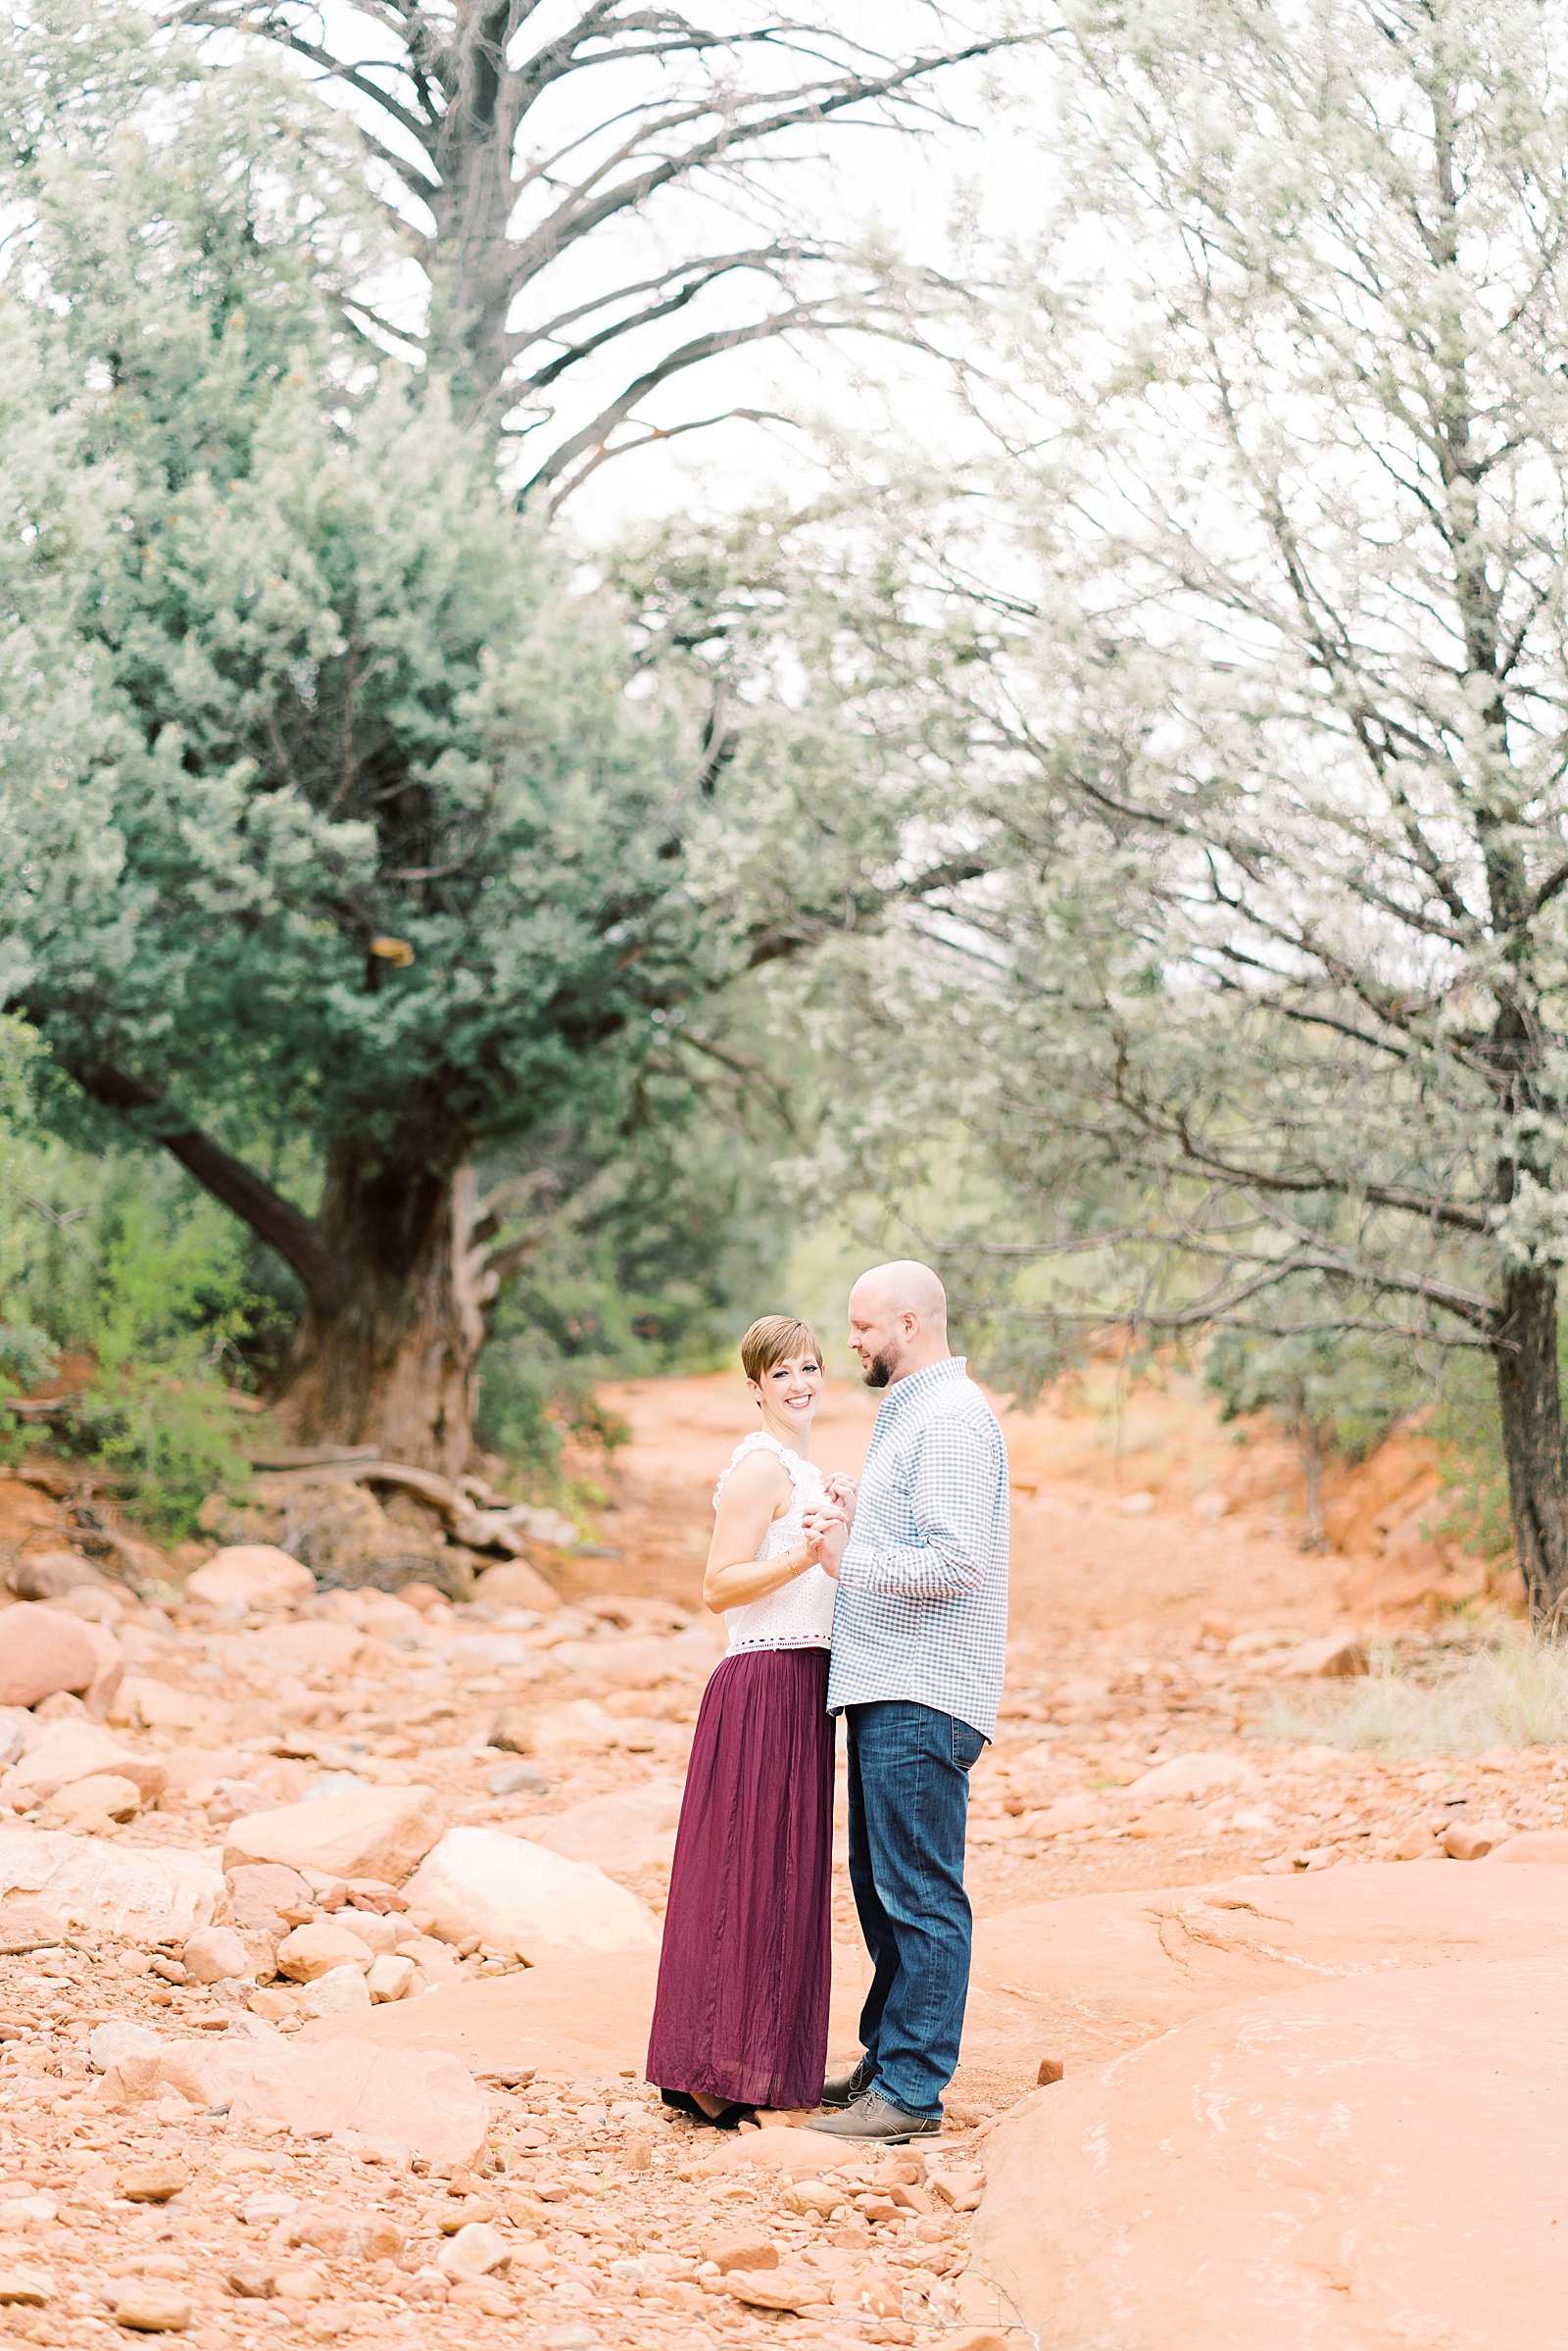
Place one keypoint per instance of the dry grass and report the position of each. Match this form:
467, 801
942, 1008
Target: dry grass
1514, 1694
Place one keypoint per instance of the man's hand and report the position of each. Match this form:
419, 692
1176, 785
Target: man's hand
829, 1530
843, 1492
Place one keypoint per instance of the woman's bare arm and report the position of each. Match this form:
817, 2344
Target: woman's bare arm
756, 1493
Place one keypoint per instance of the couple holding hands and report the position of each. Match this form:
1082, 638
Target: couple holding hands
885, 1603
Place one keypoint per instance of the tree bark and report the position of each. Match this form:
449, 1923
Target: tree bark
1311, 1446
1529, 1400
391, 1362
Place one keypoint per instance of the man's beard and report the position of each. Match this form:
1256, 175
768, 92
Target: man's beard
881, 1368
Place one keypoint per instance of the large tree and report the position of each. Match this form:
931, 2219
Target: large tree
376, 850
1264, 1013
598, 199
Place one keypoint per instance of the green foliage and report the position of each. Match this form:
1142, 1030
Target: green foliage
353, 699
114, 1261
657, 1265
1468, 1429
169, 1437
1334, 1392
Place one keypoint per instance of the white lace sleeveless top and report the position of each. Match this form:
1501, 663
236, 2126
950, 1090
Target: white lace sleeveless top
799, 1614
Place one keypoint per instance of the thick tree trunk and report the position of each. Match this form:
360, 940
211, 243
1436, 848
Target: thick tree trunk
391, 1362
1529, 1396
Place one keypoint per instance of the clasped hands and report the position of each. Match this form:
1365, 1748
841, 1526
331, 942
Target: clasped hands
827, 1524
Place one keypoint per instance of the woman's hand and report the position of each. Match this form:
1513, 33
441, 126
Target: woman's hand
843, 1492
829, 1529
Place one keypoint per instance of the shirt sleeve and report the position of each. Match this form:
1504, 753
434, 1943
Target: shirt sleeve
953, 1505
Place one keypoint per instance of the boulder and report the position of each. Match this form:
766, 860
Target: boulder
475, 2251
388, 1977
251, 1576
64, 1753
152, 1705
103, 1796
1474, 1840
317, 1648
359, 1833
260, 1891
1200, 1774
635, 1661
109, 1668
577, 1728
338, 1992
108, 2043
215, 1955
626, 1832
521, 1896
424, 2100
49, 1575
311, 1951
515, 1585
1548, 1846
144, 1894
44, 1650
1336, 1657
1337, 2167
1095, 1974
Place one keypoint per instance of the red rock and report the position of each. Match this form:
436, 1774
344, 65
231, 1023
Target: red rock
364, 1833
1124, 1966
317, 1648
427, 2101
143, 1891
1473, 1841
49, 1575
152, 2183
313, 1951
1198, 1775
742, 2252
70, 1751
262, 1891
213, 1955
251, 1575
622, 1832
41, 1651
515, 1585
1548, 1846
521, 1896
780, 2290
1337, 1657
1347, 2163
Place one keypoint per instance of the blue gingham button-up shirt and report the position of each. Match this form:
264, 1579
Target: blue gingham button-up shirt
922, 1603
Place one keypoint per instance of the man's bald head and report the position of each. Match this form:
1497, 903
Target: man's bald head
897, 1320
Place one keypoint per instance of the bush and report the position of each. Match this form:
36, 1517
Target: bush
1511, 1696
119, 1260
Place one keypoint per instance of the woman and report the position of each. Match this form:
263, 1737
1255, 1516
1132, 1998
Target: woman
741, 2016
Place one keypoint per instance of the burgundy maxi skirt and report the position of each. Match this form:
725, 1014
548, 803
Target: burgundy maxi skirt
741, 2011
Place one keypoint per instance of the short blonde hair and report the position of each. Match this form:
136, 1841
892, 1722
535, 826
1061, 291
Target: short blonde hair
771, 1338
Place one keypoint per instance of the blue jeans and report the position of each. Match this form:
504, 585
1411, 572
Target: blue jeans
909, 1808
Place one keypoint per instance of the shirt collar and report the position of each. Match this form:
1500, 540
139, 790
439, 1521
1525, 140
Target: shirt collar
920, 1382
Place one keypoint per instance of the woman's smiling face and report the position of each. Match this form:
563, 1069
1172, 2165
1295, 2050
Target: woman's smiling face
790, 1389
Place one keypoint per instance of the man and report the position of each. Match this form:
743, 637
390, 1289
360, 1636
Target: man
919, 1639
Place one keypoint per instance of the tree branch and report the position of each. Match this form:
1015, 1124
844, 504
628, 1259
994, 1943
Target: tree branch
270, 1216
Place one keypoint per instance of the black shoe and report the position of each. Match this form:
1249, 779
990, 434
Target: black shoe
728, 2118
849, 2087
872, 2118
